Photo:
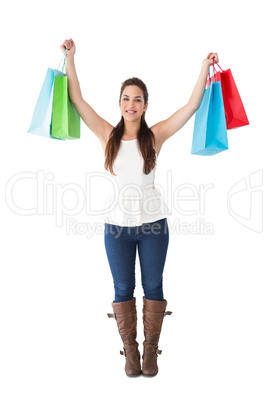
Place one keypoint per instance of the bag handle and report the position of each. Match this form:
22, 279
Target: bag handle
64, 65
217, 65
211, 79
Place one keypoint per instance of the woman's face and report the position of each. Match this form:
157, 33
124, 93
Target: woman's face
132, 103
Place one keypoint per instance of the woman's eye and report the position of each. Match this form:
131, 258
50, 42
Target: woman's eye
138, 100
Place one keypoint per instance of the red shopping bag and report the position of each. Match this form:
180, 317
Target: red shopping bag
234, 109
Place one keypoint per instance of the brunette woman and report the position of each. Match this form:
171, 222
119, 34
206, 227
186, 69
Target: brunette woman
137, 215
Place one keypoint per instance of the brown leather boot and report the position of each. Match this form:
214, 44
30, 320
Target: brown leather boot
153, 315
126, 317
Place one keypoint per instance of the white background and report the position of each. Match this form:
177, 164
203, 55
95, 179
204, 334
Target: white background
56, 341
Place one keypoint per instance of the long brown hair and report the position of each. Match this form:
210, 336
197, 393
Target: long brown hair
146, 138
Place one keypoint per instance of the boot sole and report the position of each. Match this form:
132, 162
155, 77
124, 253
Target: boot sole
149, 375
134, 375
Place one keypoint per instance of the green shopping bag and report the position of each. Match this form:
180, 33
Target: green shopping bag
65, 118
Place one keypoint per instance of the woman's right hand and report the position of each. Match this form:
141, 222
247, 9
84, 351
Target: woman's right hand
70, 45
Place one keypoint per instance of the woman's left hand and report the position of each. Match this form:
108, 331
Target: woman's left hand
209, 60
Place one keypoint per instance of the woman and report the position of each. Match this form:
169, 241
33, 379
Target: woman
139, 217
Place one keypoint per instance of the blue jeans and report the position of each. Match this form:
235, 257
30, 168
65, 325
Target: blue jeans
121, 243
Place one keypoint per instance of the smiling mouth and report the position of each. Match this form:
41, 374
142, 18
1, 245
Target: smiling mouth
130, 111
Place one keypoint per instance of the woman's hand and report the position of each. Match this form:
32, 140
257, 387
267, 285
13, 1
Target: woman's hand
70, 45
209, 60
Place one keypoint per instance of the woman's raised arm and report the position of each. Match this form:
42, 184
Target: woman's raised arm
166, 128
100, 127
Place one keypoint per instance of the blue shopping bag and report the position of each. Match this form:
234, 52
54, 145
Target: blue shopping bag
210, 131
42, 115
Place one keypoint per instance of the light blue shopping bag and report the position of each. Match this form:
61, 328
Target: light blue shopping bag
42, 115
210, 132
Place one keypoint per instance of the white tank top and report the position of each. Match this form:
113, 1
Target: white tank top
134, 199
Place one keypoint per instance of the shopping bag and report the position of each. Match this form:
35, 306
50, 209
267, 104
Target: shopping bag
234, 109
210, 131
41, 119
65, 118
